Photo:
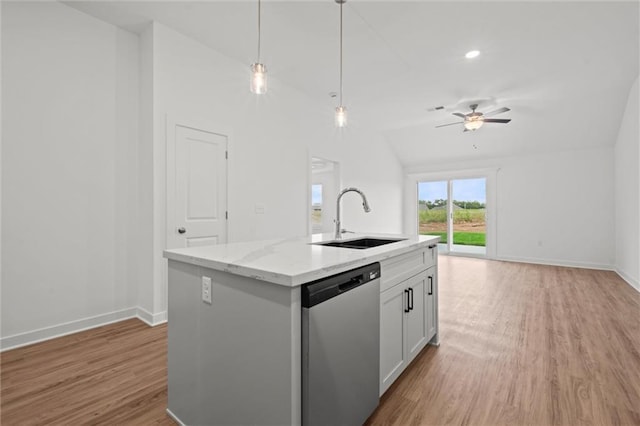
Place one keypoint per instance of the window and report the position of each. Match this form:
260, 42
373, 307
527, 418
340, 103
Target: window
316, 208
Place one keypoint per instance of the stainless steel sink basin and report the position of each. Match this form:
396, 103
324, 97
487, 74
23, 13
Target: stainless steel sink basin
361, 243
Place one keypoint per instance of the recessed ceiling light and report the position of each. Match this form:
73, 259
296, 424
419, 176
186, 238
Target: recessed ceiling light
472, 54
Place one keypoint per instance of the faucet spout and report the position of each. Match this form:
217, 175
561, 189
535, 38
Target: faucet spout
365, 206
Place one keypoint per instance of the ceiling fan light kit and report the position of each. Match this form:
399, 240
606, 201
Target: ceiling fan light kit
475, 120
473, 123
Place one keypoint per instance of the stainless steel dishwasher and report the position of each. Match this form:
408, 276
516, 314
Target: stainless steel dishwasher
341, 347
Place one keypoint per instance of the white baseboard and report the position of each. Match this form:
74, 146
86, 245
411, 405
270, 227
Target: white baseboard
151, 319
632, 282
566, 263
59, 330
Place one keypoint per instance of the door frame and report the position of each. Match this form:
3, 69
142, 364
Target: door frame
411, 202
204, 125
310, 181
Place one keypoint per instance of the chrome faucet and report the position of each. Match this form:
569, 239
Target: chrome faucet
365, 205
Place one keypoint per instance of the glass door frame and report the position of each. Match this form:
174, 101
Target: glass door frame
411, 204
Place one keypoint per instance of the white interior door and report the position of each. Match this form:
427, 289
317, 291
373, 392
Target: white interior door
198, 204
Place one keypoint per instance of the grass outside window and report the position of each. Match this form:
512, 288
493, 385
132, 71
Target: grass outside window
461, 238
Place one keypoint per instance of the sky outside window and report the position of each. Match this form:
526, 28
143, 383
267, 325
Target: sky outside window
464, 190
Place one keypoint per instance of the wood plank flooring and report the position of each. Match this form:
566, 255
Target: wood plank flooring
112, 375
520, 345
524, 344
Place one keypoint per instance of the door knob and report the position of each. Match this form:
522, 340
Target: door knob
181, 230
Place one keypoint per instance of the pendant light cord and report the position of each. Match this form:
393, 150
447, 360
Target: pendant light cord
341, 53
259, 13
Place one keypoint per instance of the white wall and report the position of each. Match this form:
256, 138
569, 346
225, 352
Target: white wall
627, 193
553, 208
144, 244
272, 140
0, 174
83, 165
371, 166
69, 115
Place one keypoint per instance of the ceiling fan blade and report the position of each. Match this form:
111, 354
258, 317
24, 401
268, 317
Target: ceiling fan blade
450, 124
496, 120
459, 114
498, 111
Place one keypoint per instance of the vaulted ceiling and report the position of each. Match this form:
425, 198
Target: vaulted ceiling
564, 68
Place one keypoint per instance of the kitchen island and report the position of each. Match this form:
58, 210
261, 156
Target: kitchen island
234, 321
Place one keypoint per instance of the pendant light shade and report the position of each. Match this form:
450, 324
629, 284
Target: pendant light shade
258, 82
258, 78
341, 110
341, 116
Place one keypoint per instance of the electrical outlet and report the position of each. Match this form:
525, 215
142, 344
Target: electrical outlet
206, 290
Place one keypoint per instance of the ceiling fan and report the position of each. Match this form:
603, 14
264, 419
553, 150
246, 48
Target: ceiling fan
474, 120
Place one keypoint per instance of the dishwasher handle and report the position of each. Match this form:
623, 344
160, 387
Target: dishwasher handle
352, 283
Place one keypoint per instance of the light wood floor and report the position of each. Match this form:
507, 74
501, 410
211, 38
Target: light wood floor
524, 345
112, 375
520, 344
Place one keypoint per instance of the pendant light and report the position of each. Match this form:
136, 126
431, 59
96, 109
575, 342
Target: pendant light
258, 81
341, 110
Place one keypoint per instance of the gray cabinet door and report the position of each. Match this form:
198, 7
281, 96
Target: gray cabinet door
416, 324
392, 335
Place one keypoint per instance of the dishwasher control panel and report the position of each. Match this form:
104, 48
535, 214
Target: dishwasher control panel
324, 289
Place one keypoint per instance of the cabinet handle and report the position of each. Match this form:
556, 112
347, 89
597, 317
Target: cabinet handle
407, 309
410, 299
430, 285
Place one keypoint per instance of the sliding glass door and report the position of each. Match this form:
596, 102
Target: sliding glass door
468, 221
433, 201
455, 210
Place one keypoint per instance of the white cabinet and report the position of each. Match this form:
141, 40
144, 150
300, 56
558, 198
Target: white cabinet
403, 326
416, 315
432, 255
408, 311
399, 268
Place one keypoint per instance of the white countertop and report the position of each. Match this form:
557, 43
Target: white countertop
295, 261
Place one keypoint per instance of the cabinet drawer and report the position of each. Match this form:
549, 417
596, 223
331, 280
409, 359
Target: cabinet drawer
399, 268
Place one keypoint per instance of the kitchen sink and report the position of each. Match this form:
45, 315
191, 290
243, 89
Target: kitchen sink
361, 243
